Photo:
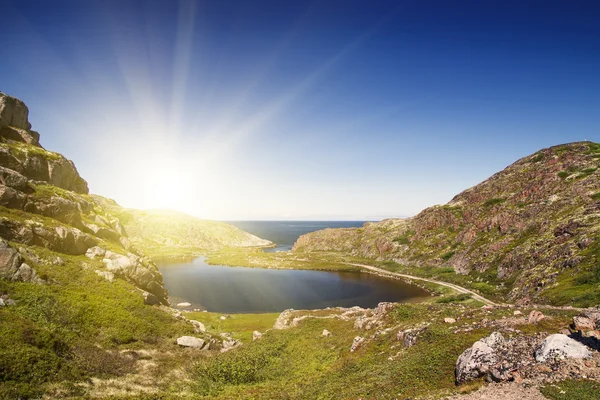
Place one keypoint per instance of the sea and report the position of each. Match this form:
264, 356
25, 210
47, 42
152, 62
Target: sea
285, 233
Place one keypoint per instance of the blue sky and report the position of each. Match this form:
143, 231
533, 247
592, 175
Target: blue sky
299, 109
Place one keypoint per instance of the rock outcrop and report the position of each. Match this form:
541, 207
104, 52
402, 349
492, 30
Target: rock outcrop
525, 227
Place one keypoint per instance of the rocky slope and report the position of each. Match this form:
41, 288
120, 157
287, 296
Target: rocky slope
44, 203
534, 227
75, 286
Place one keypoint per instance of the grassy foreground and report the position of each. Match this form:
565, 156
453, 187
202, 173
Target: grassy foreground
301, 363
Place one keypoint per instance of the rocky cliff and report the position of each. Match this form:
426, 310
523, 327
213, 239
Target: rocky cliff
534, 227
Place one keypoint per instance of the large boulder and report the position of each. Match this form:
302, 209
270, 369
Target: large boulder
59, 208
15, 180
13, 112
190, 341
140, 272
559, 346
477, 360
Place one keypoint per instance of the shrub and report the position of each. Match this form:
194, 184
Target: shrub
494, 201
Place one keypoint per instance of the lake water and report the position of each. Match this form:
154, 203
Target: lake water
258, 290
285, 233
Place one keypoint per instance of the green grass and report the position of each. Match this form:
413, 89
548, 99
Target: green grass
596, 196
71, 328
257, 258
493, 202
300, 363
241, 326
572, 390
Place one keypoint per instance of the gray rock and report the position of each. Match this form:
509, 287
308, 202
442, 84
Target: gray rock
356, 343
150, 299
582, 323
229, 344
26, 274
198, 326
137, 270
256, 335
20, 135
12, 198
559, 346
535, 316
13, 112
94, 252
190, 341
109, 276
10, 260
476, 360
13, 179
59, 208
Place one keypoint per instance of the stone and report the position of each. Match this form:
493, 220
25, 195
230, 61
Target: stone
475, 362
15, 180
109, 276
198, 326
449, 320
535, 316
256, 335
517, 312
150, 299
184, 304
94, 252
26, 274
190, 341
559, 346
13, 112
326, 333
10, 260
229, 344
356, 343
582, 323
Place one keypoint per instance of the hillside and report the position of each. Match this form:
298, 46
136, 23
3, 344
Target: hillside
531, 231
77, 293
165, 233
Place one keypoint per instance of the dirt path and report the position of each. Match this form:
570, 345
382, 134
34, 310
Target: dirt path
459, 289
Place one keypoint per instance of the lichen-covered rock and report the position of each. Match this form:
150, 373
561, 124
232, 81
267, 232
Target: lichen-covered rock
559, 346
477, 360
190, 341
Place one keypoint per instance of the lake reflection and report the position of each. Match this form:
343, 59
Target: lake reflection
256, 290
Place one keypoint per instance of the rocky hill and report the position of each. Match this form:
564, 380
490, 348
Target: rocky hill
533, 227
74, 284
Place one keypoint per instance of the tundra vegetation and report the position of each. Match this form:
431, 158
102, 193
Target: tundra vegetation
84, 312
